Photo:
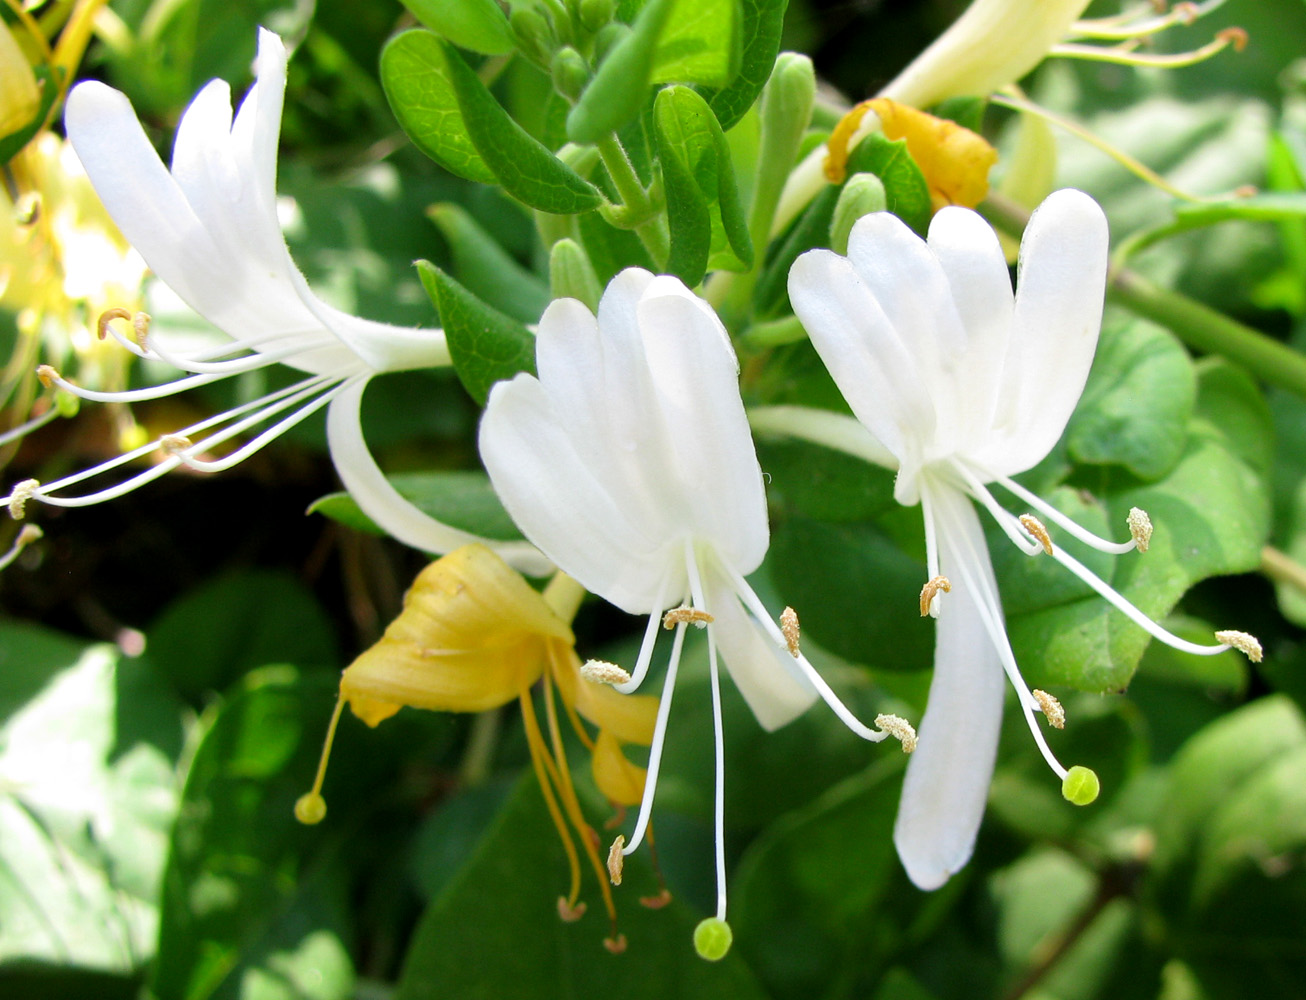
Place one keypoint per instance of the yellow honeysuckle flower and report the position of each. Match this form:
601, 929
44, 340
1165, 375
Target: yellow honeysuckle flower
474, 635
954, 160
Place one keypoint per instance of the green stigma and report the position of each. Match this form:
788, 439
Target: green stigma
310, 809
1080, 785
712, 938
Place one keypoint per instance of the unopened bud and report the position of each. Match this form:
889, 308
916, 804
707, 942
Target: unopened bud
862, 195
608, 38
712, 939
571, 275
533, 32
570, 73
594, 14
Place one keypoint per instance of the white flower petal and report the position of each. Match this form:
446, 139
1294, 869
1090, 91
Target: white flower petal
968, 251
766, 675
382, 503
696, 377
561, 507
947, 781
1059, 294
872, 368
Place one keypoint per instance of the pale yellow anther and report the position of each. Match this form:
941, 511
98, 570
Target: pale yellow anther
616, 859
1243, 642
569, 914
603, 672
175, 444
684, 613
47, 375
107, 317
19, 495
789, 629
1140, 528
28, 535
1035, 527
1051, 708
931, 590
899, 728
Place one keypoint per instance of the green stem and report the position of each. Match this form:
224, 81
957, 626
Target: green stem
1282, 568
824, 427
478, 757
1206, 329
635, 201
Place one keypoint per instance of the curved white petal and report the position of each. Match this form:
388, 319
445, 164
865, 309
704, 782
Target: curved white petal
877, 375
767, 676
1060, 287
382, 503
973, 264
696, 379
947, 781
557, 502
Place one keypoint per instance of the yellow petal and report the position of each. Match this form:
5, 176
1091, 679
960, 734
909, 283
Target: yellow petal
471, 635
954, 160
629, 717
618, 779
20, 99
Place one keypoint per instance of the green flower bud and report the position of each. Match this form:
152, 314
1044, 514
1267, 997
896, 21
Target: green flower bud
570, 73
861, 195
607, 38
533, 32
571, 275
1080, 786
594, 14
712, 939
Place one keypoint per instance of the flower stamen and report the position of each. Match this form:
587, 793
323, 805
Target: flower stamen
1051, 708
930, 592
686, 614
1243, 642
311, 808
616, 859
900, 729
789, 629
1140, 528
603, 672
1035, 527
29, 534
19, 495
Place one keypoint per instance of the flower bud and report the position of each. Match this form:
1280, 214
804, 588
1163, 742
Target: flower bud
533, 33
571, 275
861, 195
570, 73
607, 38
594, 14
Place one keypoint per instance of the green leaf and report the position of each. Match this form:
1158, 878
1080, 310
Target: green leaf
249, 907
821, 483
761, 25
416, 78
708, 227
699, 44
485, 344
804, 914
88, 793
461, 499
1135, 408
47, 82
525, 168
502, 908
476, 25
207, 638
619, 89
485, 269
905, 187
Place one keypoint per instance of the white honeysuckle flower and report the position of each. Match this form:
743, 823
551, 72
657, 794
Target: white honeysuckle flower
967, 385
209, 230
629, 462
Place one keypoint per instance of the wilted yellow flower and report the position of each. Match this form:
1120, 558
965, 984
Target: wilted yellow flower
954, 160
474, 635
